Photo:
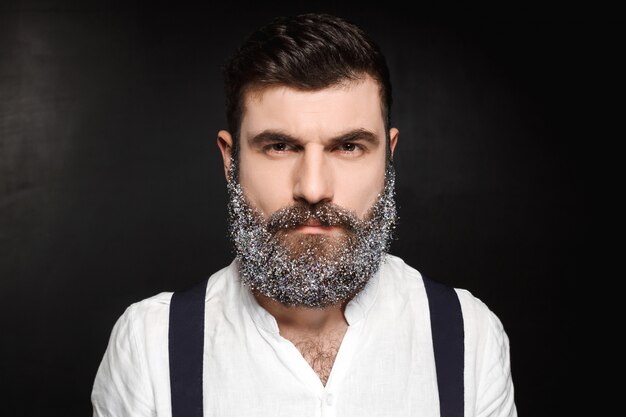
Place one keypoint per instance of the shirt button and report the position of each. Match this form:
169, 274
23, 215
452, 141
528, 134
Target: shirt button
330, 399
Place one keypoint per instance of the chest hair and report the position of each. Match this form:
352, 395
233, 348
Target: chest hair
320, 353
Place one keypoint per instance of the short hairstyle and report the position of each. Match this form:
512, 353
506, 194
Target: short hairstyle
306, 52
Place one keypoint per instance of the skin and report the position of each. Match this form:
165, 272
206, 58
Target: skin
311, 146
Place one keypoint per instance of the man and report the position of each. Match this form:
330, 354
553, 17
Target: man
313, 317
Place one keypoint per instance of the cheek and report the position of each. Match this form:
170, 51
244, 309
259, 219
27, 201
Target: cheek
357, 189
266, 186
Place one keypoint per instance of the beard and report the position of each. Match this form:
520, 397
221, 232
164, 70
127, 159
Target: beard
310, 270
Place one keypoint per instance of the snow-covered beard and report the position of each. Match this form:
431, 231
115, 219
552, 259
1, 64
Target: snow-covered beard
310, 270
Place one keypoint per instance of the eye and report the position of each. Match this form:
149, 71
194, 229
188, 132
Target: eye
277, 147
350, 148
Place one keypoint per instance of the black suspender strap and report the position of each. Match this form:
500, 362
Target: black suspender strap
186, 350
446, 323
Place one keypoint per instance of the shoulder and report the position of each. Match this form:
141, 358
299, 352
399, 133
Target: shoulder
489, 385
488, 382
479, 320
487, 358
402, 276
146, 316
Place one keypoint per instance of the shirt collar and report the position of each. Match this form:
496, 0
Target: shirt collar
356, 309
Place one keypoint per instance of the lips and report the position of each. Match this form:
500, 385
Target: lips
313, 226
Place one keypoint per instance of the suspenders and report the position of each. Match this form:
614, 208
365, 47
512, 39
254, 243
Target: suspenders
446, 326
186, 348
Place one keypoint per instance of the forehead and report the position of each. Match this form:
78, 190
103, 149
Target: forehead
318, 113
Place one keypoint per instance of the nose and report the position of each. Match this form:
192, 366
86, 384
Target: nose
313, 178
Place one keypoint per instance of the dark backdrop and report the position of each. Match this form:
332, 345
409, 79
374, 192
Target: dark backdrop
112, 188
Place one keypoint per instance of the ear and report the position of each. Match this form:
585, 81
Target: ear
225, 143
393, 140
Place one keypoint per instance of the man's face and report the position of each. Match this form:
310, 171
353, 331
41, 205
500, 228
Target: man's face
313, 146
312, 205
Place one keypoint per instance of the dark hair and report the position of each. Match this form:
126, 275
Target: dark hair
307, 52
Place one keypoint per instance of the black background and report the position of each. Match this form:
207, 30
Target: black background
112, 188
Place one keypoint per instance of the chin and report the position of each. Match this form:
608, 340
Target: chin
318, 245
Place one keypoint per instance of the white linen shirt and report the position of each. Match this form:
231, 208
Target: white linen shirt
384, 367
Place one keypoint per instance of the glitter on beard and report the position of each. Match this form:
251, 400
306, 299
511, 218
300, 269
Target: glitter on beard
310, 270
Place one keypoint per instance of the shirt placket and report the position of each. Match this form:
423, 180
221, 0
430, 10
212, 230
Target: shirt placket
327, 405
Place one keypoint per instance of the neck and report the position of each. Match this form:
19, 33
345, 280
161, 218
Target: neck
313, 321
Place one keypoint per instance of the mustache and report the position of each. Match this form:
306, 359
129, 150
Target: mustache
327, 214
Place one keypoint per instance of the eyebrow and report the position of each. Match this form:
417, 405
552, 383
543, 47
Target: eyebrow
271, 136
